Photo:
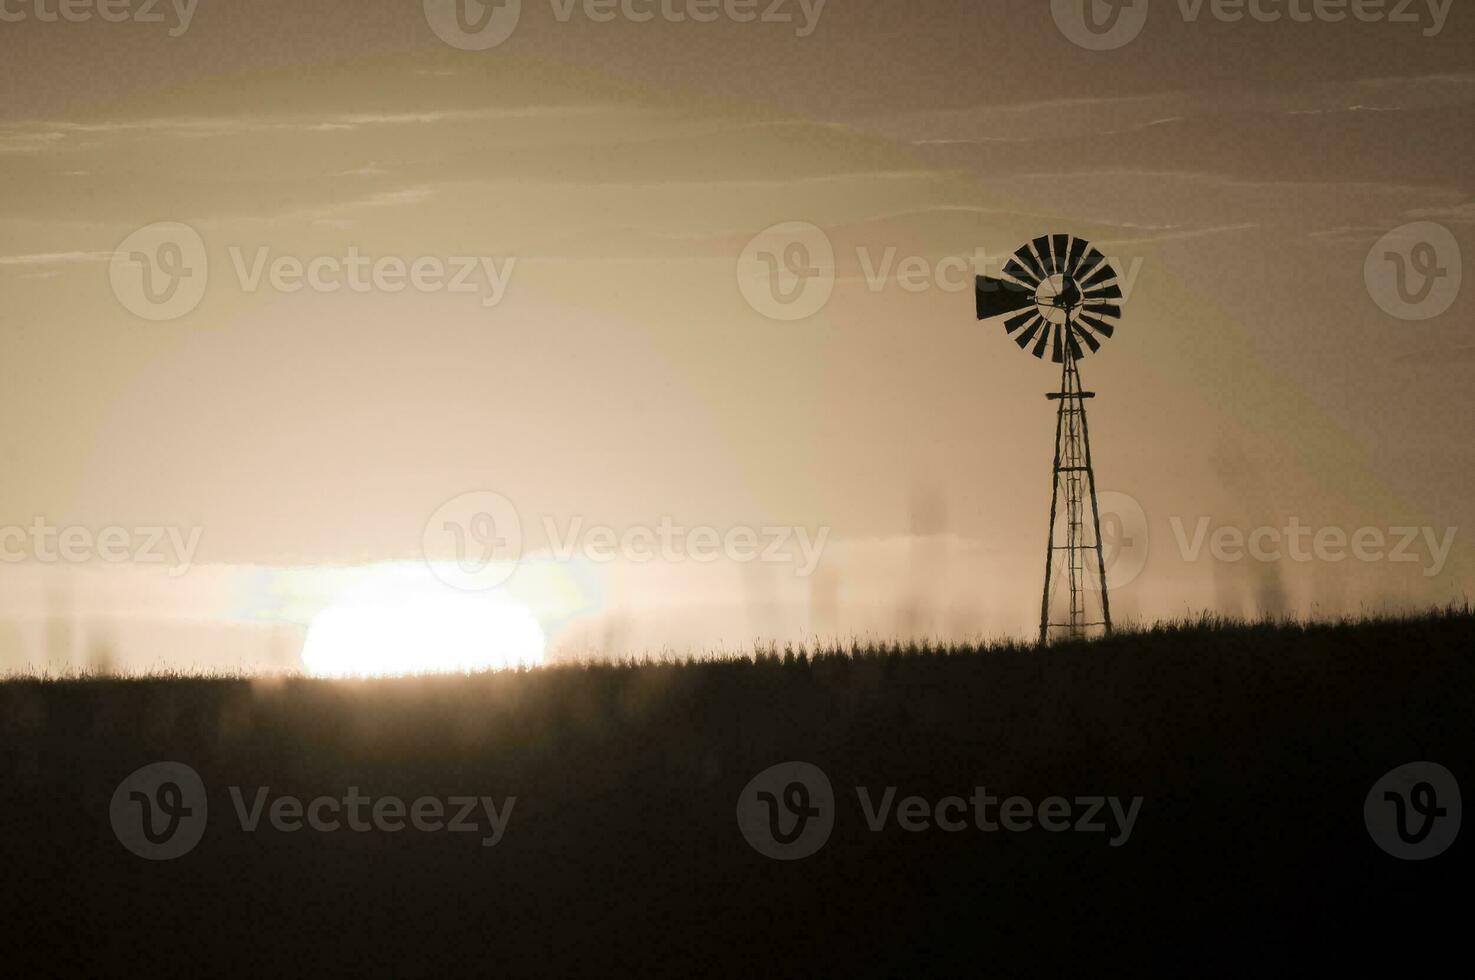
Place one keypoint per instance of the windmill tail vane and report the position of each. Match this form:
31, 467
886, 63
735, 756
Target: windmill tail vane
1061, 295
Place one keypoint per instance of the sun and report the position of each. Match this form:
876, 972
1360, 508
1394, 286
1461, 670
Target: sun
391, 627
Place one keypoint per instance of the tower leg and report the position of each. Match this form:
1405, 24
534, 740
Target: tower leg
1096, 520
1054, 508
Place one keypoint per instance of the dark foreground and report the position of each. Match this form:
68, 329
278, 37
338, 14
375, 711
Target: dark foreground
1253, 750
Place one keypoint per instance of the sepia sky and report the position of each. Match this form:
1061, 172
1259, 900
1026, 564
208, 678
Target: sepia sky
1238, 173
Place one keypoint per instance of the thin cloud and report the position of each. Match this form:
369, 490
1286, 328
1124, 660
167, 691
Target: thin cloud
986, 140
25, 142
1227, 180
1440, 355
1350, 234
1460, 213
329, 215
984, 123
38, 136
368, 170
55, 258
1180, 235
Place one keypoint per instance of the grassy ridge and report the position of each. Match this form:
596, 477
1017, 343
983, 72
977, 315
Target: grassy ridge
1252, 747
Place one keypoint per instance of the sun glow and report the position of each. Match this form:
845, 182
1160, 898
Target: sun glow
386, 628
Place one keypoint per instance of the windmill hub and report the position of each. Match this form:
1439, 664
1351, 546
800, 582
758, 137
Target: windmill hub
1059, 294
1058, 297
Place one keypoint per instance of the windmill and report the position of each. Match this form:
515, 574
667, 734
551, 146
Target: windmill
1058, 294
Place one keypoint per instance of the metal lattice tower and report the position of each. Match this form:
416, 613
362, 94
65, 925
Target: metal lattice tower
1060, 294
1074, 481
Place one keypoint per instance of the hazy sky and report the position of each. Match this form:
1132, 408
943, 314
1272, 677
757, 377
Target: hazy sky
1238, 173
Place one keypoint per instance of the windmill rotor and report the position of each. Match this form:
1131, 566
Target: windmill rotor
1056, 292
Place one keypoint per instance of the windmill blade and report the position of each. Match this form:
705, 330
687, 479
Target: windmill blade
1042, 341
1061, 245
1026, 256
1109, 291
1075, 348
1104, 274
1047, 258
1019, 272
1105, 309
1084, 328
1015, 323
1058, 353
1100, 326
1085, 335
1023, 339
1077, 251
1088, 264
996, 297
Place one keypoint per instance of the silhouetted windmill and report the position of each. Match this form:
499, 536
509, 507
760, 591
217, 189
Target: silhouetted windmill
1058, 293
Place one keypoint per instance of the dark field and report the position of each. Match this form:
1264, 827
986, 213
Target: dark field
1253, 749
